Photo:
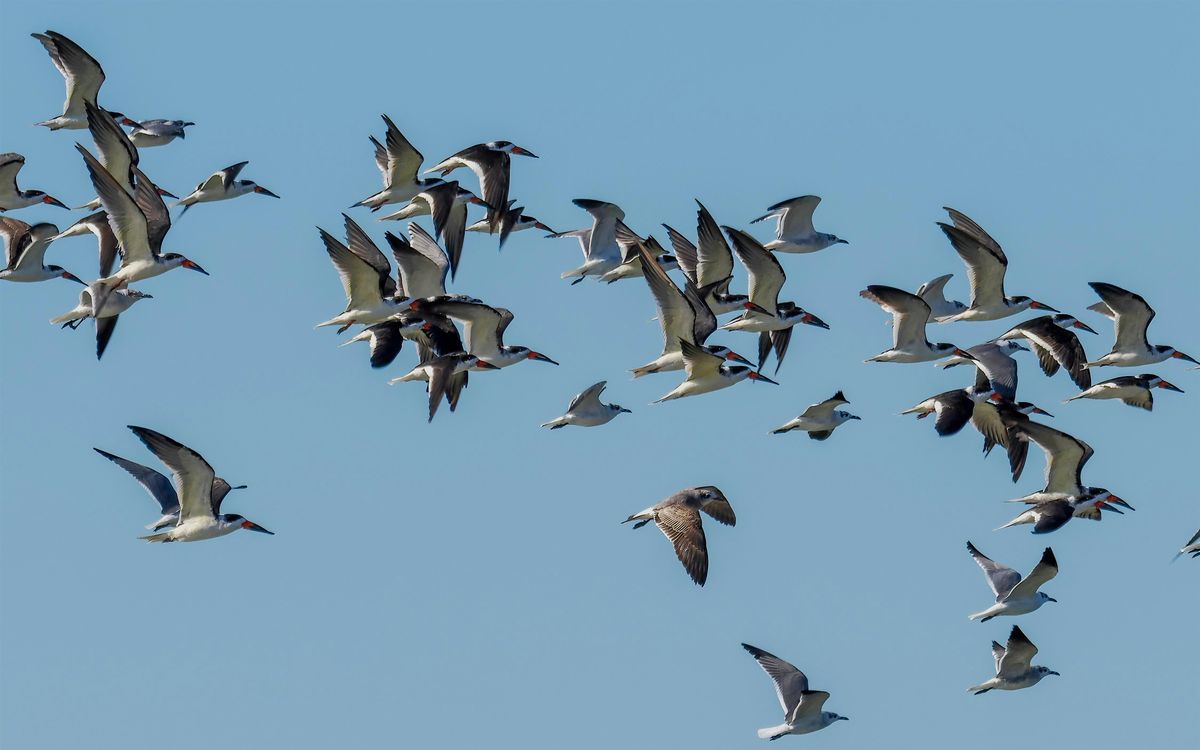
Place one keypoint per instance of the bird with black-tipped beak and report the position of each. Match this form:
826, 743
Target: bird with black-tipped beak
223, 185
706, 372
708, 262
1132, 390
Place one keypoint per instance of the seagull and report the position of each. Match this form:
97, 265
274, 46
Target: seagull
25, 252
163, 492
1014, 595
398, 162
586, 410
708, 263
631, 259
82, 74
96, 224
13, 197
221, 186
114, 303
601, 253
933, 292
439, 374
483, 328
150, 133
986, 264
373, 295
774, 324
1191, 548
1133, 390
447, 203
684, 317
491, 163
1131, 317
706, 373
514, 220
421, 263
200, 514
1055, 345
910, 313
678, 517
802, 712
1066, 456
794, 231
819, 420
1013, 668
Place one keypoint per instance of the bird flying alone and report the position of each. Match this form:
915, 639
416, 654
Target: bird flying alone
794, 231
819, 420
1014, 595
678, 518
586, 410
223, 185
802, 708
1014, 670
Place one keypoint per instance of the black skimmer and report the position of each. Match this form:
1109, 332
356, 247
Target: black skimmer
447, 203
399, 163
83, 76
483, 328
1014, 595
1191, 548
678, 518
684, 317
25, 252
706, 372
421, 263
601, 253
162, 490
775, 321
986, 265
96, 224
13, 197
200, 514
158, 132
1131, 317
1014, 668
909, 313
819, 420
709, 262
514, 220
631, 260
428, 331
444, 377
934, 294
586, 410
802, 708
794, 231
491, 162
1055, 345
373, 295
1133, 390
223, 185
105, 314
1066, 456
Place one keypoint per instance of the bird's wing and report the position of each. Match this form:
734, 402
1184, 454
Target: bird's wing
968, 225
481, 324
1133, 315
602, 242
14, 232
811, 702
434, 272
359, 280
1046, 569
909, 312
1055, 346
10, 165
998, 366
705, 322
985, 269
1065, 457
1001, 578
935, 288
685, 252
229, 174
766, 275
997, 654
492, 168
104, 332
721, 511
675, 314
192, 474
1018, 655
790, 683
117, 153
81, 71
126, 219
401, 161
954, 409
681, 524
154, 482
698, 361
152, 206
454, 231
440, 372
824, 409
368, 252
590, 396
715, 260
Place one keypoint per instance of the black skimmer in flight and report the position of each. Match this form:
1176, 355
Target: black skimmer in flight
25, 252
83, 76
491, 162
13, 197
373, 295
223, 185
706, 372
631, 260
398, 162
678, 518
910, 313
1131, 317
447, 203
1014, 668
1014, 595
794, 231
1055, 345
803, 709
199, 516
483, 328
1066, 456
420, 262
514, 220
96, 224
986, 265
1133, 390
819, 420
159, 487
586, 410
444, 377
709, 262
775, 321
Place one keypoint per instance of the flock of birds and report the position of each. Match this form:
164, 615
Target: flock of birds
454, 333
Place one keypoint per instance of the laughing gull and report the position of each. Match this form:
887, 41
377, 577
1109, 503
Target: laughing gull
986, 264
1131, 317
1013, 668
1191, 548
706, 372
709, 262
802, 712
678, 518
83, 76
25, 252
399, 163
1055, 345
491, 162
13, 197
819, 420
223, 185
200, 514
909, 313
1014, 595
151, 133
774, 324
1133, 390
110, 308
794, 231
601, 253
586, 410
631, 258
160, 488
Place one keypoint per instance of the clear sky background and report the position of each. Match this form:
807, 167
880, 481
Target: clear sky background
467, 583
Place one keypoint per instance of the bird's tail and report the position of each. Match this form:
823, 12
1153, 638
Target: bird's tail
773, 733
978, 689
160, 537
556, 423
643, 370
1015, 522
984, 616
1076, 396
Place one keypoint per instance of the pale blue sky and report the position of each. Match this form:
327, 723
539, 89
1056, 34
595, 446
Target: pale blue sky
467, 583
